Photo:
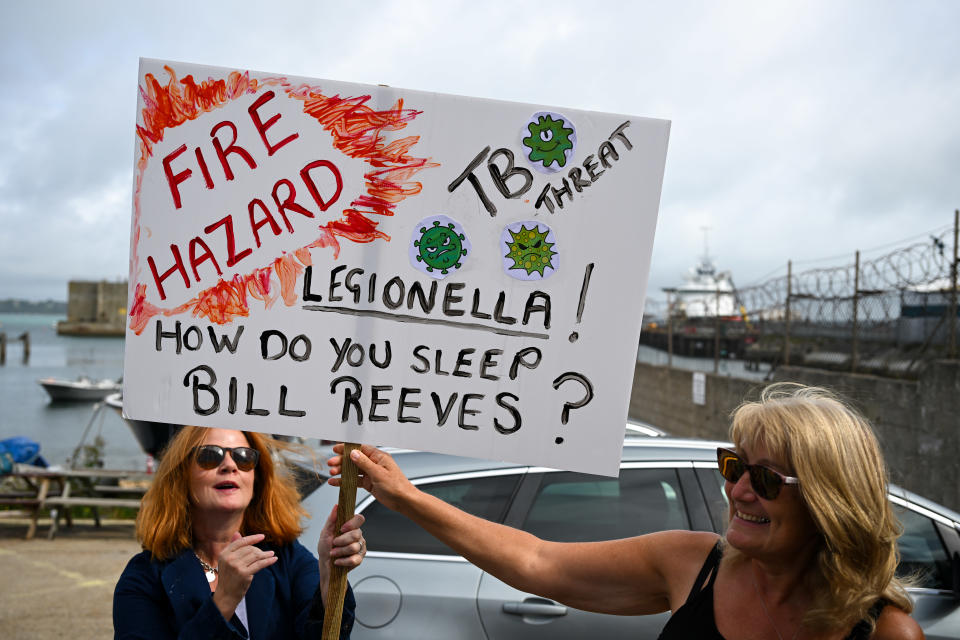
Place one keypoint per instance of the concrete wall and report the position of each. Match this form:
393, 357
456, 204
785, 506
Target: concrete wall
96, 308
81, 301
916, 421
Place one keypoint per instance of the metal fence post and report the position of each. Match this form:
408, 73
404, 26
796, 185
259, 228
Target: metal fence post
786, 315
716, 331
953, 285
855, 338
669, 332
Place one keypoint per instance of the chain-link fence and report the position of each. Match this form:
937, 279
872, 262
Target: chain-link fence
884, 315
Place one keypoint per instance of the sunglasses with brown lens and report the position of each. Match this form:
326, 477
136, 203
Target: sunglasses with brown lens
209, 456
765, 481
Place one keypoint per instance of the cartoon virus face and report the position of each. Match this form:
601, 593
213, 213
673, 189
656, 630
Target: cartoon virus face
439, 246
551, 141
530, 253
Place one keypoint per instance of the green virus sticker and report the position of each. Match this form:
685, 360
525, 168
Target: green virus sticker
439, 246
529, 250
551, 141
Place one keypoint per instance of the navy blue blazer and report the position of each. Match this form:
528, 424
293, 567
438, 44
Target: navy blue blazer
172, 599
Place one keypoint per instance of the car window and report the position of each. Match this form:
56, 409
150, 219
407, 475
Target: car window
485, 497
712, 484
573, 507
922, 555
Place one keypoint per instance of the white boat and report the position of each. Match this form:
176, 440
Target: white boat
83, 389
705, 293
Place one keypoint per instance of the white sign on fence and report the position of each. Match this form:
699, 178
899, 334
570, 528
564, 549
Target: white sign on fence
699, 388
372, 264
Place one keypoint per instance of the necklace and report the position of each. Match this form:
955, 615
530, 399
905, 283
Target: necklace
765, 611
211, 572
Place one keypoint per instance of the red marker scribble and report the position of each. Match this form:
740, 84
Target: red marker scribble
141, 311
223, 301
170, 105
288, 270
258, 286
356, 130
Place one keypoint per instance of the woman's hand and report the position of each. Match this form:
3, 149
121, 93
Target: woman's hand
378, 474
237, 564
345, 550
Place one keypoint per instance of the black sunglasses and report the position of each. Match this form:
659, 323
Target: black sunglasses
209, 456
765, 481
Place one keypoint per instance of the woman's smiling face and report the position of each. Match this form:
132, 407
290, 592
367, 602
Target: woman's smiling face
224, 488
768, 529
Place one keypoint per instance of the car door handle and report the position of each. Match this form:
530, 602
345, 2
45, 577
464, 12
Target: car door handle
535, 607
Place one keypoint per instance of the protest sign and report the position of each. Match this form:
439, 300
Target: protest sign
373, 264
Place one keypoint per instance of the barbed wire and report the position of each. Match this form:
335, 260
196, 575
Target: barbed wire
885, 315
922, 264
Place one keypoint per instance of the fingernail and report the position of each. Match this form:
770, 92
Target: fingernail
355, 454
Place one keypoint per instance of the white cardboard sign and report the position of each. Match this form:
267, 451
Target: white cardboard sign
372, 264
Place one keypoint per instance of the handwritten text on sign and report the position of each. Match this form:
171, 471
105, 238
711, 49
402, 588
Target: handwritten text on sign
380, 265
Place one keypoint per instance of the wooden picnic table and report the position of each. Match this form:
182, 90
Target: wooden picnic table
59, 490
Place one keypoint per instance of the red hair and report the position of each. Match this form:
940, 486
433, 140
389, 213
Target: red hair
164, 524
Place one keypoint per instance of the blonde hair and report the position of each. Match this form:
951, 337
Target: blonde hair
164, 525
843, 482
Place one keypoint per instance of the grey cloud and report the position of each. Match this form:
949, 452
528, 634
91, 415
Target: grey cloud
800, 130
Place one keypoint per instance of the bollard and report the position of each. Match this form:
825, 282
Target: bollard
3, 348
25, 338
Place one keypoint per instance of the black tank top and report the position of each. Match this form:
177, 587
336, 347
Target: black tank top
695, 618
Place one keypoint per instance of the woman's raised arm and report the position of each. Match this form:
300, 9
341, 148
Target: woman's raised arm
641, 575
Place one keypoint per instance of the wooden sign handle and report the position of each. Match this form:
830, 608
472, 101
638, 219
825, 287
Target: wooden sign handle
337, 590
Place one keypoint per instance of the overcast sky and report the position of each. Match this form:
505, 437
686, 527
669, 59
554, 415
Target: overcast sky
801, 130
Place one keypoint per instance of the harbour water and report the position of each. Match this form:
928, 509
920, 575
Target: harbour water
25, 408
725, 367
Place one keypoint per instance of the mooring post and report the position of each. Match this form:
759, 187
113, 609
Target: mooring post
25, 338
3, 348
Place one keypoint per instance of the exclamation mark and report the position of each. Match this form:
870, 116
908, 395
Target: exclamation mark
574, 336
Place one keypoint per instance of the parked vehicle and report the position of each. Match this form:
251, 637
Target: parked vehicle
412, 586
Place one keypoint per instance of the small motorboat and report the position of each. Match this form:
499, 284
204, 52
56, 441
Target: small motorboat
83, 389
152, 436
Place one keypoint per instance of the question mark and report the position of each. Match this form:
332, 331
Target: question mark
567, 406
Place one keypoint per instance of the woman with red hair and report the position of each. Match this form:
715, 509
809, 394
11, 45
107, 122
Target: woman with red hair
219, 528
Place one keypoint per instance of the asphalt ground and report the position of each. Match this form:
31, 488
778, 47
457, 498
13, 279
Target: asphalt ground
61, 588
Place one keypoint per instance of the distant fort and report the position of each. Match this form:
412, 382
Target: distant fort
95, 309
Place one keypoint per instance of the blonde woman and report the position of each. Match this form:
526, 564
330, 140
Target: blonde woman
809, 551
219, 529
